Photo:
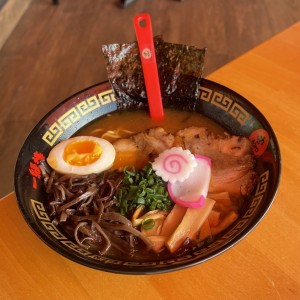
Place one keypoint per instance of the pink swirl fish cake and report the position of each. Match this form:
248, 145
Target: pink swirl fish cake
174, 164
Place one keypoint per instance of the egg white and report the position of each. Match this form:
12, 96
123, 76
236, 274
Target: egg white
56, 161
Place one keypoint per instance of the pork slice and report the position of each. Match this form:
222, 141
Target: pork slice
232, 159
128, 154
200, 140
153, 141
146, 145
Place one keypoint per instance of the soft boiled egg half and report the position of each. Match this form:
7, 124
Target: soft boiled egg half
82, 155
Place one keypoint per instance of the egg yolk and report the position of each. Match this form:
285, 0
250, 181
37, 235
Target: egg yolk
82, 153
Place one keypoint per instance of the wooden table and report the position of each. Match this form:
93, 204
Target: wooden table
265, 265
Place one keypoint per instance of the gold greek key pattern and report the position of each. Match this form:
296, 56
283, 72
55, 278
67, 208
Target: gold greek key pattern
220, 101
225, 103
75, 248
254, 204
39, 210
53, 230
67, 119
107, 97
75, 113
88, 105
240, 114
262, 184
205, 94
106, 259
53, 133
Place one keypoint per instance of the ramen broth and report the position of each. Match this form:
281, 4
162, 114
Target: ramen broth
126, 123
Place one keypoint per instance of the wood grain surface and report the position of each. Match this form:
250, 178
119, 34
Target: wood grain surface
54, 51
264, 265
10, 14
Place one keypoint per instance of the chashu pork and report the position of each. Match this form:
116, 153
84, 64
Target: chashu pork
232, 159
142, 147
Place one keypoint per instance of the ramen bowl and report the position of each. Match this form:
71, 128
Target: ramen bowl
233, 112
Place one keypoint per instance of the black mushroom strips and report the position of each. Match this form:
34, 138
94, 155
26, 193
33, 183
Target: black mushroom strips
83, 204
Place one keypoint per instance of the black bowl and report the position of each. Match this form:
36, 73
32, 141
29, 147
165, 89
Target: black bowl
219, 103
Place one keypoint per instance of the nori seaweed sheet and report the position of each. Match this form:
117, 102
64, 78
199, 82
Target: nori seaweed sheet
180, 69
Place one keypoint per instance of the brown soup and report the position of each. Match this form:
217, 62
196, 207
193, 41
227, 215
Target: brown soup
127, 123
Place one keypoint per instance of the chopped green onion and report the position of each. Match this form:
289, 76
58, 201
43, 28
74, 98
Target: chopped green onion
140, 201
148, 224
142, 187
